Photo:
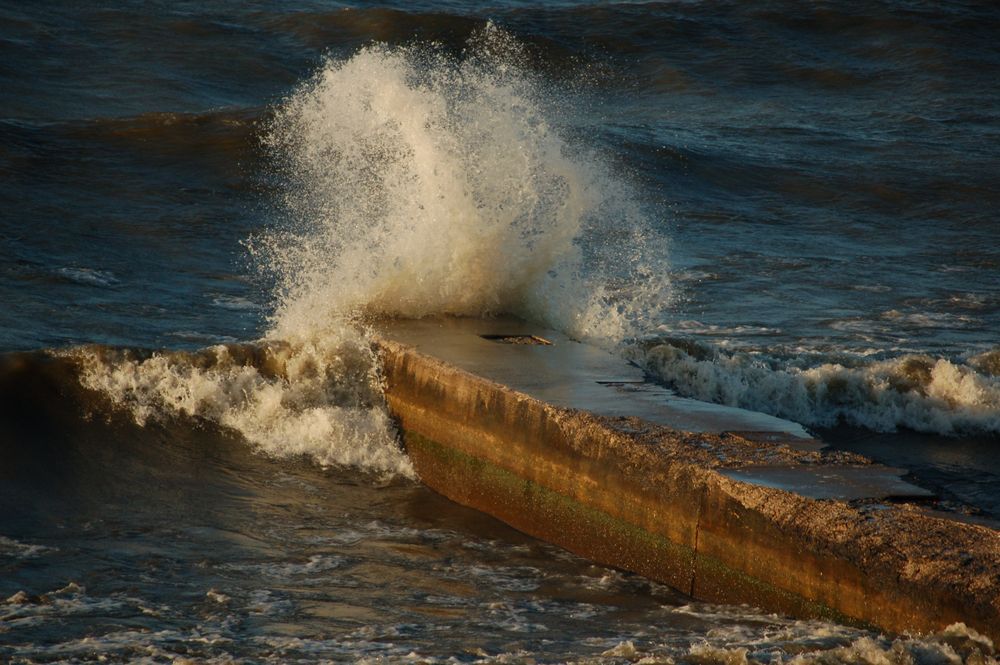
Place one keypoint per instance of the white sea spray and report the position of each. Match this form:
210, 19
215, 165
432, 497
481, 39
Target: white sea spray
422, 184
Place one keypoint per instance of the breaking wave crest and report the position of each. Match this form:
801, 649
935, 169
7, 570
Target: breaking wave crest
918, 392
319, 398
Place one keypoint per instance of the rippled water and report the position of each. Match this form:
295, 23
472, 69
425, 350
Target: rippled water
174, 540
783, 207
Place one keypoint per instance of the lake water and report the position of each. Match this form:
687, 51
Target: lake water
789, 208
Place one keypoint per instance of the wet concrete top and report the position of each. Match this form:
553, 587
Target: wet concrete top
550, 366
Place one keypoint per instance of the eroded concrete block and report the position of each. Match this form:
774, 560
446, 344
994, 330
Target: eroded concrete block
724, 505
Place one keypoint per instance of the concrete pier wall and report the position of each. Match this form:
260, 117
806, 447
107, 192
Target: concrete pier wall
669, 504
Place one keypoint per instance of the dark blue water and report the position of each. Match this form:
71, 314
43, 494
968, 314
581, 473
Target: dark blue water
790, 208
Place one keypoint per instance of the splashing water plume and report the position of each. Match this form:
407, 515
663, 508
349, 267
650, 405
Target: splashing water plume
420, 184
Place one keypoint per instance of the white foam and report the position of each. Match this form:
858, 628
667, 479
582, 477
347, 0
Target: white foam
287, 570
915, 391
624, 650
269, 603
89, 276
318, 397
697, 327
235, 303
16, 549
739, 636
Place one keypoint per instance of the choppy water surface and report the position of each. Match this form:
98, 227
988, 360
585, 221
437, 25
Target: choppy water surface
783, 207
175, 540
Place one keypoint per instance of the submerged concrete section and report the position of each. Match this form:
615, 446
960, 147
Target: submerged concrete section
569, 444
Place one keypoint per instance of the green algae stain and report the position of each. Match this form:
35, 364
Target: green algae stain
591, 533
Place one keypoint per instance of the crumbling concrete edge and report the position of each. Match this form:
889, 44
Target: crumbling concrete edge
585, 484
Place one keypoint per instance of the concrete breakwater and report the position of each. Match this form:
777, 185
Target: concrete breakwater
568, 444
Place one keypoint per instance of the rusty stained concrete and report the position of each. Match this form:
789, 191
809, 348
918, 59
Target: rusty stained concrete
723, 504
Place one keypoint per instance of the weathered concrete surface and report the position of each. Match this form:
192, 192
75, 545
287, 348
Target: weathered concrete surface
707, 510
570, 374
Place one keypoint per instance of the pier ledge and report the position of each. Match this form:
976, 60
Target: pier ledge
569, 444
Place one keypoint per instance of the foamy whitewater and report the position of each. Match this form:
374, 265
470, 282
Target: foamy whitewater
919, 392
319, 398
